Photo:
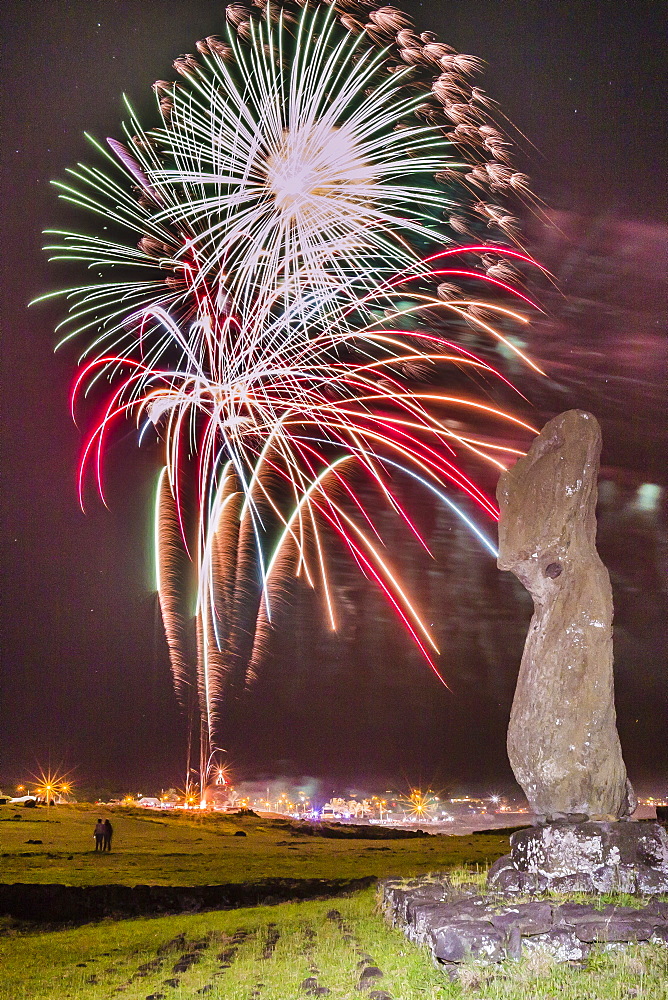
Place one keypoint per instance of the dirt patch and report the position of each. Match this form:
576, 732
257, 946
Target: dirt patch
53, 904
228, 954
353, 831
273, 935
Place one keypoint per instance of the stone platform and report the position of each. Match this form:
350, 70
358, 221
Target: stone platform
458, 924
592, 857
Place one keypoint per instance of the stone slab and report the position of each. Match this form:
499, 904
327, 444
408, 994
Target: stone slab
561, 943
557, 849
490, 928
528, 918
462, 940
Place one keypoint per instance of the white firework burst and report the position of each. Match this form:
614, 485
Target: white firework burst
291, 177
294, 170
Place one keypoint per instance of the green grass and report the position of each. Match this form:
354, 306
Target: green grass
166, 849
105, 960
131, 958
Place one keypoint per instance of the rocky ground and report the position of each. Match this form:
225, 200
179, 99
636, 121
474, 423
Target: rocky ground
460, 923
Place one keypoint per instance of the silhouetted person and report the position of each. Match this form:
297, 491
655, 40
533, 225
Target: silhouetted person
108, 831
98, 833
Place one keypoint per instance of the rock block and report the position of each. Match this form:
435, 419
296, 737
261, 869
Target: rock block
400, 897
560, 942
614, 928
529, 918
569, 913
592, 857
465, 939
426, 919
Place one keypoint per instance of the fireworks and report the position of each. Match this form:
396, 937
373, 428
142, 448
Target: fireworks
295, 267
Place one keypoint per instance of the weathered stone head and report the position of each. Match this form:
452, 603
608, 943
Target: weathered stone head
548, 501
562, 738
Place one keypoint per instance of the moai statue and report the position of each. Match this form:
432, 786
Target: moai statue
562, 738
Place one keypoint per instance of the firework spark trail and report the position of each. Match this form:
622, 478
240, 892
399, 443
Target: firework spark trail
170, 558
296, 214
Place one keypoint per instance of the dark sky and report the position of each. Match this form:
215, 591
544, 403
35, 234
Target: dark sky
85, 674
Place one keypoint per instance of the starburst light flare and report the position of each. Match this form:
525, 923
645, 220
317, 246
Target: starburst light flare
294, 295
420, 805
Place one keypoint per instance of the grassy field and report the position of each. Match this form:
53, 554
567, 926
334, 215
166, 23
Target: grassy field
290, 951
284, 952
165, 849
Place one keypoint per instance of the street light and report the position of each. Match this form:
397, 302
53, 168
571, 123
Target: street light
49, 784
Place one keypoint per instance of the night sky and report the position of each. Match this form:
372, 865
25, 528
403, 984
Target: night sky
85, 668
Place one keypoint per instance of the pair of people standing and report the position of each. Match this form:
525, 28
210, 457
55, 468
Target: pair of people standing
102, 834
